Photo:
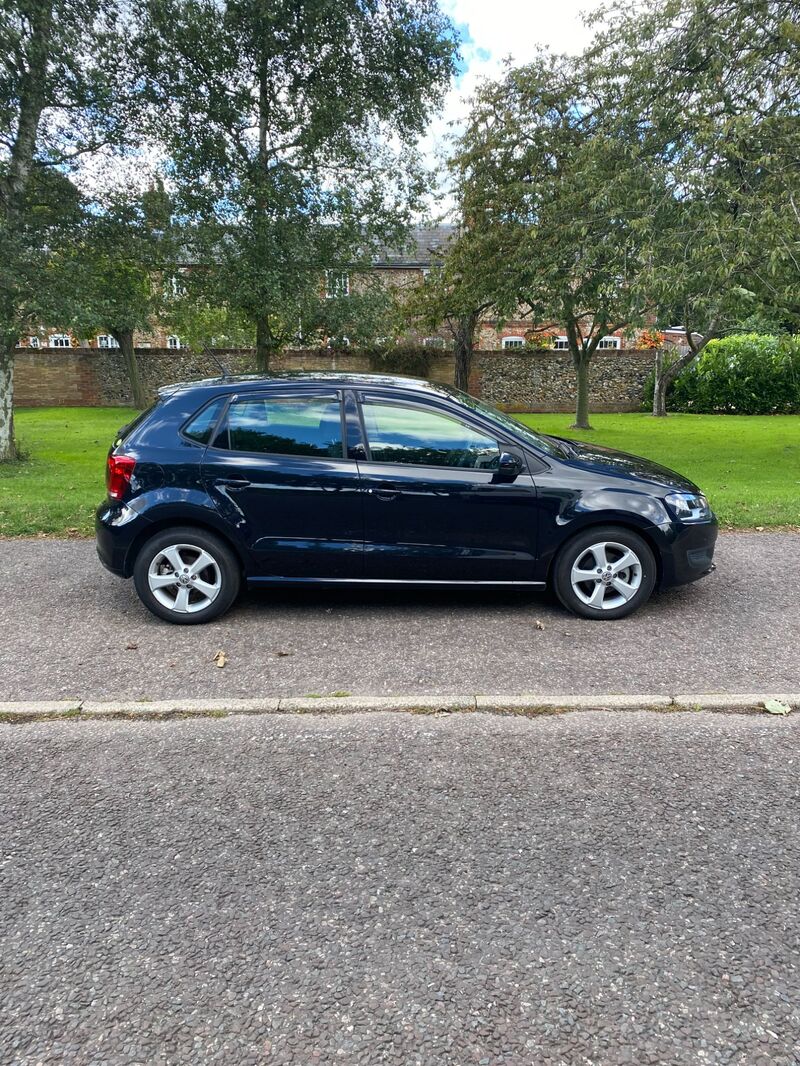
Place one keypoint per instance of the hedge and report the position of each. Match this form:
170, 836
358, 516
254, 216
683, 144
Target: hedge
745, 374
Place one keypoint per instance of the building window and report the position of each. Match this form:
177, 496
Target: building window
433, 342
338, 342
105, 340
337, 283
33, 342
60, 340
513, 342
609, 342
561, 344
173, 341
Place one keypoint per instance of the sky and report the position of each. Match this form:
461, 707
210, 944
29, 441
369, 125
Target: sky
493, 30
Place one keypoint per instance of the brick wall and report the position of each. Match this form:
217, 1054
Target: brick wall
515, 380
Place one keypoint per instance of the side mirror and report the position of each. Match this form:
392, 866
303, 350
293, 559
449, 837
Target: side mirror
509, 467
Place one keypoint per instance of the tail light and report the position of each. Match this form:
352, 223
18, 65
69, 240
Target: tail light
119, 471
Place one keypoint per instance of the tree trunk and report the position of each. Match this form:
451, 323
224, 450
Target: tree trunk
666, 374
463, 360
8, 447
464, 347
124, 338
580, 361
265, 344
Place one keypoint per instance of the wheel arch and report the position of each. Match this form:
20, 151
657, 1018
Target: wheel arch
597, 521
189, 522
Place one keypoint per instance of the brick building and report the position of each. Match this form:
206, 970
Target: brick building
396, 269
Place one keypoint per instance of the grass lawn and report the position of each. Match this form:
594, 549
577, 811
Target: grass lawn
62, 479
749, 466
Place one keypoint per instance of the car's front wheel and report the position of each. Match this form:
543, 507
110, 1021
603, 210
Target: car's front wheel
186, 576
607, 572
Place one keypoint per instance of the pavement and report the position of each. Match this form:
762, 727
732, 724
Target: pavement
595, 888
71, 631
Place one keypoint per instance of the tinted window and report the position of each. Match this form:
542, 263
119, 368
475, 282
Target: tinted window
425, 437
200, 427
302, 426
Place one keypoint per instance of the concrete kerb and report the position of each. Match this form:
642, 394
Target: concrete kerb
42, 710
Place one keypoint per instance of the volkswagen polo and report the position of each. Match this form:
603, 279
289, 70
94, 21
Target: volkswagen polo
333, 478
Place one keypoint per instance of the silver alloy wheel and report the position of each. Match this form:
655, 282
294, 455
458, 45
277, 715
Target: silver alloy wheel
606, 575
184, 578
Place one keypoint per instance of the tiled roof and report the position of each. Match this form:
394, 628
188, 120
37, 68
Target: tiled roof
425, 245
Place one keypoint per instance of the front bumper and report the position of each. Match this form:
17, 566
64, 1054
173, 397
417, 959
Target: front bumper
690, 554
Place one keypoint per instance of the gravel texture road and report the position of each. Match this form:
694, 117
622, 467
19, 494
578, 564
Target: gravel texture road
593, 888
71, 630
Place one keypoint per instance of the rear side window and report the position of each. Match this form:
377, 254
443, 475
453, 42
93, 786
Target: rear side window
201, 426
307, 425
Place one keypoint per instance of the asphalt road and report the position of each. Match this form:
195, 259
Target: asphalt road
71, 630
581, 889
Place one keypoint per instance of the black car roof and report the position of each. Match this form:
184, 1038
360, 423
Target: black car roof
252, 382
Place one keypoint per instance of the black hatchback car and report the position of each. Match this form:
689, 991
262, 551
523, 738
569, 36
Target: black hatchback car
358, 478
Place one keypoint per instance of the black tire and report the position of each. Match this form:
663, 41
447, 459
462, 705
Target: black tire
223, 571
638, 580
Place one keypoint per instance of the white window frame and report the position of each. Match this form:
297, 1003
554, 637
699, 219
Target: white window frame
105, 340
337, 283
512, 343
561, 344
174, 343
608, 344
34, 342
433, 342
56, 340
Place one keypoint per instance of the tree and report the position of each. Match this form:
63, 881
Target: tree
555, 205
62, 65
124, 271
712, 87
453, 295
292, 128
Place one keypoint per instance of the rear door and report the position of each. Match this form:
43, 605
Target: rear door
277, 471
435, 508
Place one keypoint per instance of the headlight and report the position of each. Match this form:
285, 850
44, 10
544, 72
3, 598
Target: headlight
688, 506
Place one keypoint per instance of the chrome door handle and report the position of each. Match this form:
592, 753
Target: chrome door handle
386, 492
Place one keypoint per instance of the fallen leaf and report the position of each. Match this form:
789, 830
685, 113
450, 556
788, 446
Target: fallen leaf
776, 707
220, 659
759, 529
281, 652
132, 646
538, 625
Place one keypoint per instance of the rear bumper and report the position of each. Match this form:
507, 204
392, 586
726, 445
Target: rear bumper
690, 555
116, 529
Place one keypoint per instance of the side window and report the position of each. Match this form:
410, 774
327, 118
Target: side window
199, 428
308, 425
425, 437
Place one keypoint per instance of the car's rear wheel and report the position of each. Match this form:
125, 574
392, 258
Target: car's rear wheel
605, 573
186, 576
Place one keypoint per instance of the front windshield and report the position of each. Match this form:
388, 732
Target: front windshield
538, 440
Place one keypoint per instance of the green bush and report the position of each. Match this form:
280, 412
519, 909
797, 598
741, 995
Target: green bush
745, 374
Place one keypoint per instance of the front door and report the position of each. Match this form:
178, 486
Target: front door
435, 507
277, 471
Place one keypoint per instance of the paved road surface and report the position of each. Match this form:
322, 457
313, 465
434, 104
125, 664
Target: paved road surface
71, 630
584, 889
